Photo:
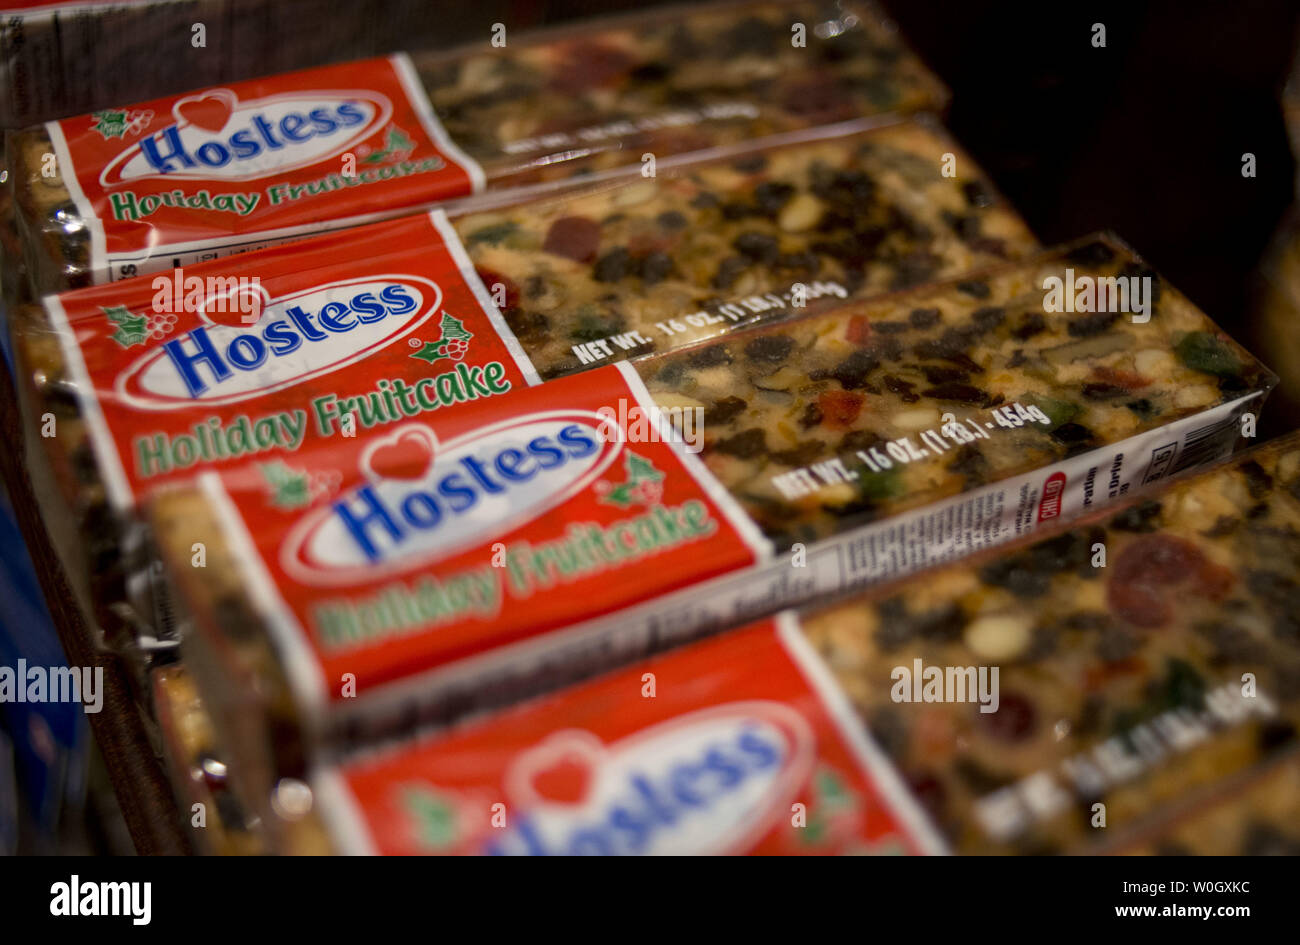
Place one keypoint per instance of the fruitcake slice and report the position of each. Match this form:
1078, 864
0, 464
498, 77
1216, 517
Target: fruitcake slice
1140, 658
986, 361
639, 266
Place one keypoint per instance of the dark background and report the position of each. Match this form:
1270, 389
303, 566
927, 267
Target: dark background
1144, 137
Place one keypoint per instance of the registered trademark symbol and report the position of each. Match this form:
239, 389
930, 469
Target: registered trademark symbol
415, 342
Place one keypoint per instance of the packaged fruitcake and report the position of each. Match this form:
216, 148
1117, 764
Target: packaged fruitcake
186, 178
464, 558
140, 382
641, 266
1089, 688
737, 745
171, 363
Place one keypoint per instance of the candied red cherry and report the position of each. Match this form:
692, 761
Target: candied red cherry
1140, 603
840, 408
1014, 720
1214, 581
1158, 559
575, 238
859, 331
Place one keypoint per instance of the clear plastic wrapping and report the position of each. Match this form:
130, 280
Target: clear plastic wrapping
1144, 703
570, 103
877, 214
824, 440
1145, 661
644, 266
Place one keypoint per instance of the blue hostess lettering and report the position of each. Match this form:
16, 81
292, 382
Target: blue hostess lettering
379, 518
673, 794
202, 363
167, 151
217, 137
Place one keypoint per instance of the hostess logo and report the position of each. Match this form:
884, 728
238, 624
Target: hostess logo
217, 137
295, 338
711, 782
422, 500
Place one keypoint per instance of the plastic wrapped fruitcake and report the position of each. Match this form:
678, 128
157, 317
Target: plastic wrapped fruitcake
1008, 383
1141, 661
147, 187
675, 81
649, 265
742, 745
851, 215
127, 385
466, 558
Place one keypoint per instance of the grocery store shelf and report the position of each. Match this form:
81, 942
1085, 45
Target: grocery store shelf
136, 773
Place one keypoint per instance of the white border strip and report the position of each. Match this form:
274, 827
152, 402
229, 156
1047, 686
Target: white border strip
101, 438
340, 811
415, 94
880, 771
442, 224
99, 265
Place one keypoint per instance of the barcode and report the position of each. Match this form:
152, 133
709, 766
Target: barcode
1206, 444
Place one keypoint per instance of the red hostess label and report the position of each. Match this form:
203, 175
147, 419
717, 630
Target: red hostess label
436, 540
256, 356
729, 746
271, 157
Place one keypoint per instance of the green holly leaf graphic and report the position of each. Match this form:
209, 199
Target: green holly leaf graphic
638, 470
289, 487
110, 123
451, 329
814, 832
620, 495
397, 140
435, 818
131, 329
431, 351
394, 142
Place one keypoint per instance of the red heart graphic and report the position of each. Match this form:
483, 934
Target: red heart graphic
209, 111
565, 780
237, 309
408, 456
